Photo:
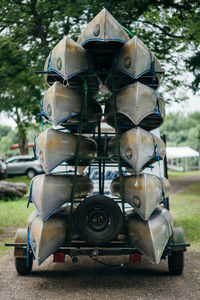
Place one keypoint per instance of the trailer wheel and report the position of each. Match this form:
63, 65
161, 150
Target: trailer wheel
20, 265
176, 263
98, 220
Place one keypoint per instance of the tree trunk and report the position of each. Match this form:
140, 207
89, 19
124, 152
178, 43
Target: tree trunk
23, 146
12, 189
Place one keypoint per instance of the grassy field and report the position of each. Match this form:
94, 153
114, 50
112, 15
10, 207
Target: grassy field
173, 174
186, 210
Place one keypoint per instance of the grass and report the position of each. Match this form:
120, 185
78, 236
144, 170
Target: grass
174, 174
12, 214
186, 210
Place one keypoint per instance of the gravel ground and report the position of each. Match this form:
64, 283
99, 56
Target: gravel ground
90, 280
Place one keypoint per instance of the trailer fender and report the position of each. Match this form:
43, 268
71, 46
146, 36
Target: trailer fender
178, 239
20, 237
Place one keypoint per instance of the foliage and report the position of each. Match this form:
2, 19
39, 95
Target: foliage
186, 210
8, 137
182, 130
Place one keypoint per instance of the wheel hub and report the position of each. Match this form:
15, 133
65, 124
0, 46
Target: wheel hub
97, 219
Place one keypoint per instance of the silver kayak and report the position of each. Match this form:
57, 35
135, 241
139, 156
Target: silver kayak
136, 62
138, 148
150, 237
54, 147
137, 104
50, 192
142, 191
46, 237
62, 106
66, 63
103, 37
105, 28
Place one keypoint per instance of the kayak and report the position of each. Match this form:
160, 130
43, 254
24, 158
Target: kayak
135, 61
103, 37
53, 147
67, 63
142, 191
138, 148
46, 237
137, 105
50, 192
104, 28
150, 237
62, 106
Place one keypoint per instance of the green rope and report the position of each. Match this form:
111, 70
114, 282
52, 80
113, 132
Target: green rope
127, 30
77, 155
85, 90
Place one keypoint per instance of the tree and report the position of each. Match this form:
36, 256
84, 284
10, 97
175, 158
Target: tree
30, 28
182, 131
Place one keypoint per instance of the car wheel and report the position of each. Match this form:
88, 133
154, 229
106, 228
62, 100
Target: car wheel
21, 267
176, 263
98, 220
31, 173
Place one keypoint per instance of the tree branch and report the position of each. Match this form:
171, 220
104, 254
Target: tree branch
162, 29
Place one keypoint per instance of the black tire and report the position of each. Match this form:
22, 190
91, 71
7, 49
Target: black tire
20, 265
98, 220
176, 263
31, 173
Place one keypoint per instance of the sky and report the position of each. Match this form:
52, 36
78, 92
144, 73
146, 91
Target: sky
185, 107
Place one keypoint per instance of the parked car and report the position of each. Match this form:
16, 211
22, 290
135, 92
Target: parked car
2, 169
23, 165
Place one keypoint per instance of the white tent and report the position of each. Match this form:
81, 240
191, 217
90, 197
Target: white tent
174, 153
180, 152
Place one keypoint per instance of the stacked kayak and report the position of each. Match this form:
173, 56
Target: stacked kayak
103, 55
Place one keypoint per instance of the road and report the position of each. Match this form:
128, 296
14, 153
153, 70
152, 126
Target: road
89, 280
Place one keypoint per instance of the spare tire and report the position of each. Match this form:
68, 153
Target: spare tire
98, 220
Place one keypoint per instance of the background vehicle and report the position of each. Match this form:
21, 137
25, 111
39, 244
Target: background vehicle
2, 168
23, 165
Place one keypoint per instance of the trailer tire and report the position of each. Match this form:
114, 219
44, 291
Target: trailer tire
20, 265
176, 263
98, 220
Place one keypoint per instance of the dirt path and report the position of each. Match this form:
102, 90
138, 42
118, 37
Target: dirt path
181, 183
89, 280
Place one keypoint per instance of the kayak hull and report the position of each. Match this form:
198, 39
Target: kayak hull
137, 105
54, 147
46, 237
142, 191
50, 192
62, 106
66, 63
150, 237
138, 148
136, 62
103, 37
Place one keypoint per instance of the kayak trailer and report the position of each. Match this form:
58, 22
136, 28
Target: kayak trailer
174, 251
